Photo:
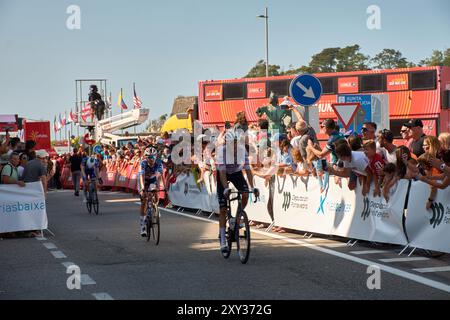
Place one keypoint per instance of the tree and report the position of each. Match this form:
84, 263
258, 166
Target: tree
438, 58
325, 61
390, 59
350, 59
259, 70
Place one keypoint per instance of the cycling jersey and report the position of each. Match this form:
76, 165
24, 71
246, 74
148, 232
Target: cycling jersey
150, 172
90, 172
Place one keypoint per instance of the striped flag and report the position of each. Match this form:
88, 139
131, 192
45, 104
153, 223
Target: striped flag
109, 101
62, 121
121, 103
55, 125
72, 116
136, 101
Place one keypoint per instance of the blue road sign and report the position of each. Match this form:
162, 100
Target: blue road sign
97, 149
305, 89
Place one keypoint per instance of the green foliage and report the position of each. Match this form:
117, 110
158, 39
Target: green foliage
389, 59
259, 70
437, 58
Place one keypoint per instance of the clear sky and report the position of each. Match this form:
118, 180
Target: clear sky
167, 46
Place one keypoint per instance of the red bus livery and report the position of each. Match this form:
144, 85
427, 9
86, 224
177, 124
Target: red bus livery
422, 92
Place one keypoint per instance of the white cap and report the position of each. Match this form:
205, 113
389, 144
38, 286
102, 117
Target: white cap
41, 153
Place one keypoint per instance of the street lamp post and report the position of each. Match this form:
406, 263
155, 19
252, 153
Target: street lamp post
266, 16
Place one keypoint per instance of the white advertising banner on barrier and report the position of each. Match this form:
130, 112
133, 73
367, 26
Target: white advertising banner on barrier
187, 193
428, 229
258, 211
297, 205
22, 209
367, 218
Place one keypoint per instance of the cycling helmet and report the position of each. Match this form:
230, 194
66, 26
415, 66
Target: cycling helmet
150, 152
90, 163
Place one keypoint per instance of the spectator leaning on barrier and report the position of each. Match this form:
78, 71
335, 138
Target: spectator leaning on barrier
355, 161
376, 165
35, 170
387, 147
417, 135
329, 127
9, 173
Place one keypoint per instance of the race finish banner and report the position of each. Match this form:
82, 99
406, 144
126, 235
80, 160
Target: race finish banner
428, 229
22, 209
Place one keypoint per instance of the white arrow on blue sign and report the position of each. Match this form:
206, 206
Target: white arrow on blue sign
305, 89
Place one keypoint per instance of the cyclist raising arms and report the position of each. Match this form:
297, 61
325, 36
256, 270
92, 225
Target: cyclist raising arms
89, 171
232, 161
149, 175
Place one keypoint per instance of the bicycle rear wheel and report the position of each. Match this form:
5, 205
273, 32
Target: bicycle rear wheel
242, 233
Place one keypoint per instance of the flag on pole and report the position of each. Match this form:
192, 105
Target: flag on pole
109, 101
121, 103
61, 122
55, 125
136, 101
72, 116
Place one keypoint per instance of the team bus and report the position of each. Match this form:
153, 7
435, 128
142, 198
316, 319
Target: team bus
421, 92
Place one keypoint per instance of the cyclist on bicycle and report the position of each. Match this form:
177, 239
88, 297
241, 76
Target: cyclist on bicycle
149, 176
89, 171
231, 164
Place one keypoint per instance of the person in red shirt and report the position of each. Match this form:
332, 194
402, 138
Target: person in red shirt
376, 165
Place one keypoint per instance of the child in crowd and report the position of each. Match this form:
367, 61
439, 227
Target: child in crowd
316, 167
376, 165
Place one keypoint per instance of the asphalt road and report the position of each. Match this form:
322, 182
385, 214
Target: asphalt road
116, 263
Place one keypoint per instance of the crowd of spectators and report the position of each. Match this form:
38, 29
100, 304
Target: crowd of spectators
371, 157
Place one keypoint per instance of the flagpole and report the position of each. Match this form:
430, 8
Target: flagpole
134, 92
65, 125
121, 99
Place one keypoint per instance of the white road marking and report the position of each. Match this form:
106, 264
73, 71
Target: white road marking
41, 238
405, 259
435, 269
49, 245
410, 276
58, 254
102, 296
138, 203
68, 264
86, 280
334, 245
368, 251
121, 200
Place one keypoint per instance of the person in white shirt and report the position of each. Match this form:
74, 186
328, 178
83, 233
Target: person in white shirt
387, 149
355, 161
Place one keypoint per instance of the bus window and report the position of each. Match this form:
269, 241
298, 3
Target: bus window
328, 85
371, 83
423, 80
280, 87
233, 91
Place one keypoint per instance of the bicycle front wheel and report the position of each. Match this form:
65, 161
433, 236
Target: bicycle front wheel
242, 232
95, 201
229, 239
89, 202
156, 226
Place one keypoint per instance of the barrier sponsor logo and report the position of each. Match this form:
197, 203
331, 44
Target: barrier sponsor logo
287, 201
22, 207
438, 214
366, 211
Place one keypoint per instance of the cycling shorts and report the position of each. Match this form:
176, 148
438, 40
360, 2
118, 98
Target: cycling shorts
239, 182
